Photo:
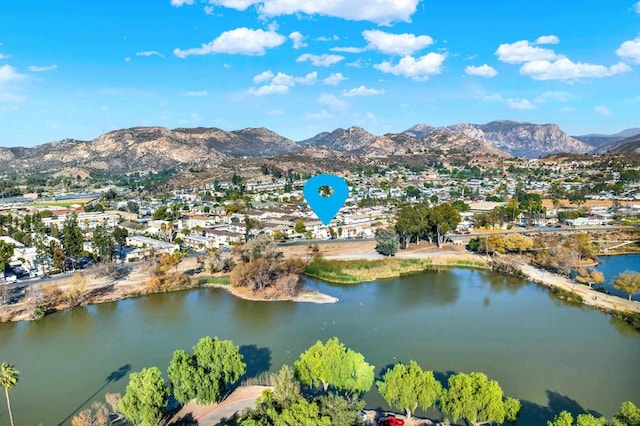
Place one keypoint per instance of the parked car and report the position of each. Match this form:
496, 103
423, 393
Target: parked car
11, 278
390, 420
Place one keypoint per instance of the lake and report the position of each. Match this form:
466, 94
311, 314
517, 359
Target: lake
550, 355
611, 266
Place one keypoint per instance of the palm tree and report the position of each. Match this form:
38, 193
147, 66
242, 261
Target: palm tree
8, 378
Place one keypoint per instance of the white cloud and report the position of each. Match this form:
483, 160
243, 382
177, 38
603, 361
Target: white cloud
11, 98
323, 60
325, 38
149, 53
196, 94
243, 41
548, 39
362, 91
636, 7
556, 96
298, 40
520, 104
263, 76
522, 51
270, 89
565, 69
348, 49
603, 110
418, 69
289, 80
334, 79
396, 44
178, 3
630, 50
483, 71
322, 115
378, 11
355, 64
209, 10
332, 101
4, 56
35, 68
280, 83
8, 73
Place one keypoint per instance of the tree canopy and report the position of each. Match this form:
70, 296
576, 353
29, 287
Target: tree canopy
332, 364
145, 398
387, 240
6, 252
205, 374
408, 387
72, 237
629, 282
476, 399
415, 221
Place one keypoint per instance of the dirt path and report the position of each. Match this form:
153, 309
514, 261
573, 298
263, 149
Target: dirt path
217, 414
589, 296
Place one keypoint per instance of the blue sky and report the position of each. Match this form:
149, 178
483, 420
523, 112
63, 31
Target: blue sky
79, 68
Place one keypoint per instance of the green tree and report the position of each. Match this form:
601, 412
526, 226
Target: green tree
629, 282
412, 192
566, 419
103, 242
6, 252
205, 374
408, 387
628, 415
476, 399
286, 389
342, 411
72, 238
299, 227
444, 218
9, 377
120, 236
162, 213
387, 240
145, 398
302, 413
332, 364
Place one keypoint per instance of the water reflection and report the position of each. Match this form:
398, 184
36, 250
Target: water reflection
436, 318
535, 414
433, 288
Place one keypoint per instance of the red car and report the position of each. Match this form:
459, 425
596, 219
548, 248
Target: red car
390, 421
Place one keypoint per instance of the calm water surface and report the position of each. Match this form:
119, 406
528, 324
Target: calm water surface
550, 355
611, 266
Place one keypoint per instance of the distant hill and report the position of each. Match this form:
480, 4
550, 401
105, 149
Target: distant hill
597, 140
158, 148
349, 139
629, 145
518, 138
149, 148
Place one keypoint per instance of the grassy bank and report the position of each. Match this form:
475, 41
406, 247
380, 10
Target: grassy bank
357, 271
214, 281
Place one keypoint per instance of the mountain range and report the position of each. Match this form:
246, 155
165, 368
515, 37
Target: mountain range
157, 148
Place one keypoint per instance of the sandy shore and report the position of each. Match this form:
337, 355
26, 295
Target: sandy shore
589, 296
302, 296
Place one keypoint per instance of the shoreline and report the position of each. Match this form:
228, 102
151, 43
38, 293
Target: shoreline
414, 260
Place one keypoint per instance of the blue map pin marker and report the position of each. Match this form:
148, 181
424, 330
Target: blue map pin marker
326, 208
